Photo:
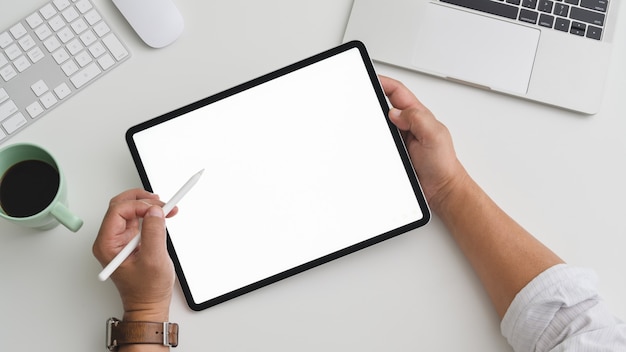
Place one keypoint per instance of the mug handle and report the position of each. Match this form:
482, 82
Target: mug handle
67, 218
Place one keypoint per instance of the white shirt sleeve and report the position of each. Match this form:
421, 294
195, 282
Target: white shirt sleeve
560, 310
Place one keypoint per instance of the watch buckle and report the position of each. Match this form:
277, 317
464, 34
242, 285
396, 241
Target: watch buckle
110, 343
166, 334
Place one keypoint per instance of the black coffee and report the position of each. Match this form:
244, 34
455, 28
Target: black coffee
28, 187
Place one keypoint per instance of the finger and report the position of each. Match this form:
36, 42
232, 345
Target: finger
419, 123
119, 226
134, 194
399, 95
153, 234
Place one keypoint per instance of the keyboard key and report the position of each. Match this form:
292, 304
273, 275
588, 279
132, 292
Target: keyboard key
60, 56
70, 15
587, 16
528, 16
561, 10
83, 6
34, 109
56, 23
85, 76
578, 28
27, 43
79, 26
106, 62
34, 20
43, 32
531, 4
18, 31
7, 73
5, 40
61, 4
48, 100
115, 46
52, 44
594, 32
47, 11
3, 60
598, 5
39, 87
94, 17
546, 20
488, 6
97, 49
4, 96
101, 28
83, 58
14, 122
62, 91
13, 52
7, 109
74, 46
69, 68
88, 38
21, 63
35, 55
562, 24
545, 6
65, 35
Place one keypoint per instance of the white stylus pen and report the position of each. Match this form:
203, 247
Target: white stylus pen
130, 247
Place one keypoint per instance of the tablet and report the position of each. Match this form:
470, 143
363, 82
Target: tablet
302, 166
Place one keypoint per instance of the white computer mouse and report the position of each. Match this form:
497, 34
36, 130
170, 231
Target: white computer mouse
157, 22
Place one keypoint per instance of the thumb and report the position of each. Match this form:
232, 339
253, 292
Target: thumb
420, 123
153, 232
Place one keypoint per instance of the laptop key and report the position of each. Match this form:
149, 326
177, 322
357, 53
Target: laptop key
561, 10
598, 5
546, 20
528, 16
587, 16
488, 6
578, 28
562, 24
545, 6
594, 32
531, 4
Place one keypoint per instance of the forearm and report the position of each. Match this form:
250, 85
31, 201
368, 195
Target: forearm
503, 254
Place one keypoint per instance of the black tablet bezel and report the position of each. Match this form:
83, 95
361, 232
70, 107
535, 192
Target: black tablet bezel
197, 306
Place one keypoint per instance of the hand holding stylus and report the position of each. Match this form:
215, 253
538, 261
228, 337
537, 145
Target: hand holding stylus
132, 245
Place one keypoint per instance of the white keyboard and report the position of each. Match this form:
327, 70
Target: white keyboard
49, 56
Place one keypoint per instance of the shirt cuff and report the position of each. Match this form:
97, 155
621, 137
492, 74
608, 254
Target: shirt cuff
534, 308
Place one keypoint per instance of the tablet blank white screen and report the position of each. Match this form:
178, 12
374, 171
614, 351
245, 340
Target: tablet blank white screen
296, 168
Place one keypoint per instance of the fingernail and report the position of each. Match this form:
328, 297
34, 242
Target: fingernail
395, 113
155, 211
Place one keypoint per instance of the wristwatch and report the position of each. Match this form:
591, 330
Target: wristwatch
139, 332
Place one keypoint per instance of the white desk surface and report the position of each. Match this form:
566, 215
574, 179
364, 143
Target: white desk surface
558, 173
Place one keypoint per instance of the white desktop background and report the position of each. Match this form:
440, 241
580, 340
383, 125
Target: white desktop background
559, 174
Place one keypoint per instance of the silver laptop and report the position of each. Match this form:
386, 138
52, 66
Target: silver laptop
555, 52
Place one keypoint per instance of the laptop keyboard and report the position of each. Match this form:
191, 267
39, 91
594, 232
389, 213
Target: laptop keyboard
48, 56
584, 18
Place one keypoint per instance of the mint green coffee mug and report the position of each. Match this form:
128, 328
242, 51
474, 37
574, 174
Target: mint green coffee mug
33, 192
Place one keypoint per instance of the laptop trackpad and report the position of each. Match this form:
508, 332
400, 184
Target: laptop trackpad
476, 49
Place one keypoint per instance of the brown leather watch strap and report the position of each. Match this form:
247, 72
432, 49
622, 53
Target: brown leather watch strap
140, 332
